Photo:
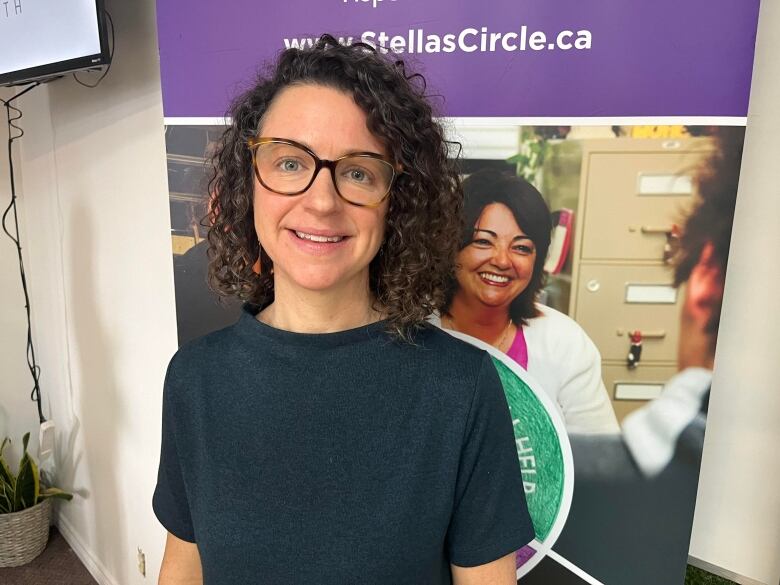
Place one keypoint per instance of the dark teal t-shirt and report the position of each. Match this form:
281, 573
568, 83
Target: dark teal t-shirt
337, 458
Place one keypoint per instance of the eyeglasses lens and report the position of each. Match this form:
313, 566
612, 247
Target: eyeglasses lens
288, 170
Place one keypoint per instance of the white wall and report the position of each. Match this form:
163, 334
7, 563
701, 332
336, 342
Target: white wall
737, 522
98, 232
18, 414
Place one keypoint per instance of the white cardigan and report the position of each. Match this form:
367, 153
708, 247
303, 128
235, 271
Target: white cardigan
567, 364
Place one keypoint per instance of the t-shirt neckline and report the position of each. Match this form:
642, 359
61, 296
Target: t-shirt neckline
250, 325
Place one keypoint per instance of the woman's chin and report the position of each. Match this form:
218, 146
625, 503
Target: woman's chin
323, 285
496, 299
319, 280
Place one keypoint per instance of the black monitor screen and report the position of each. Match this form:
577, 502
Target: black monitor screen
39, 38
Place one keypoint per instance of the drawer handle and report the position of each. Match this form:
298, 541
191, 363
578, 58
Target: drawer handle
650, 229
672, 239
660, 334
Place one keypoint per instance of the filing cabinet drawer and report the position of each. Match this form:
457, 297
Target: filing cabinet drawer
632, 200
629, 389
613, 300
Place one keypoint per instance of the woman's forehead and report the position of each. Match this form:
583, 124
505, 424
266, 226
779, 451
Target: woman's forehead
498, 219
325, 119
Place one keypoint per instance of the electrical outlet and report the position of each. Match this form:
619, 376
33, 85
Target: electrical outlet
46, 439
141, 562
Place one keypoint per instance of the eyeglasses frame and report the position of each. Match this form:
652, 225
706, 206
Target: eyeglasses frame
319, 164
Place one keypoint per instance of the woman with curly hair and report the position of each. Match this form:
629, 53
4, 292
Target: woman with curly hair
500, 271
332, 435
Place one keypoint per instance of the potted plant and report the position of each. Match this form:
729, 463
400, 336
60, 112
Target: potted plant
25, 509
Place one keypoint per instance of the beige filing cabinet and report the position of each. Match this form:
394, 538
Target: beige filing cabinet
632, 191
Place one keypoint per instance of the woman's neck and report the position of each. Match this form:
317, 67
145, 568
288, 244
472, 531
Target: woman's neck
478, 320
306, 311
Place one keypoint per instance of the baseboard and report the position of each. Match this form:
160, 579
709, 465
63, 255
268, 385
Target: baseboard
721, 572
94, 566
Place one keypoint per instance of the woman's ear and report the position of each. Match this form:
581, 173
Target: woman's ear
704, 288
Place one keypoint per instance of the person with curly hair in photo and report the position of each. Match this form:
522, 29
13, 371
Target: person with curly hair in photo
332, 435
636, 492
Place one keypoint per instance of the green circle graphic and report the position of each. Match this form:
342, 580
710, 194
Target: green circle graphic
538, 451
543, 452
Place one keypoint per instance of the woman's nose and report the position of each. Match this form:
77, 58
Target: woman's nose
500, 258
321, 197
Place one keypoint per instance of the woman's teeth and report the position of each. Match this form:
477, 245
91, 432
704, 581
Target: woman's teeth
322, 239
494, 277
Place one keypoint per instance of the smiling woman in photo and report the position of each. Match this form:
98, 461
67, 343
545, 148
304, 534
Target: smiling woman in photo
500, 271
332, 435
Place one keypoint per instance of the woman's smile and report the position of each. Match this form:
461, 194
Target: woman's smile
493, 279
318, 242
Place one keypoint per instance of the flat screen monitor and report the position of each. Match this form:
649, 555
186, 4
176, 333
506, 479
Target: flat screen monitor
47, 38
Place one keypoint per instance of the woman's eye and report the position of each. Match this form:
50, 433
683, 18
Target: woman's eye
290, 165
480, 242
526, 250
358, 175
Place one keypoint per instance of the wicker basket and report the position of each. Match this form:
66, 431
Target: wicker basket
23, 535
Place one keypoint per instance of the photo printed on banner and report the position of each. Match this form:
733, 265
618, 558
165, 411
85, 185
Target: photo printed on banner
594, 223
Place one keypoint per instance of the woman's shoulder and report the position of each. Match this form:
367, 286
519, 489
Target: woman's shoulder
552, 318
449, 370
451, 358
555, 327
203, 351
431, 337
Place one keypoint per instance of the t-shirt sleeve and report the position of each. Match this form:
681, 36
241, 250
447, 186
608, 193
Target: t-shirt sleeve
490, 518
170, 502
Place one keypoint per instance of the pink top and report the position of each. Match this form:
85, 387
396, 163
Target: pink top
518, 351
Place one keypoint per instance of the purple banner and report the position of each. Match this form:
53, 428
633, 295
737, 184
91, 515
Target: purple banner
506, 58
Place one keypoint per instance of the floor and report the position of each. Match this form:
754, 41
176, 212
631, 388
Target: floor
57, 564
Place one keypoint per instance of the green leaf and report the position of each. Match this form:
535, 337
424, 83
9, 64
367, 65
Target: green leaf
53, 492
5, 500
27, 485
25, 489
6, 476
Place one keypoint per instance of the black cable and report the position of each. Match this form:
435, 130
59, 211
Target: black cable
14, 133
111, 57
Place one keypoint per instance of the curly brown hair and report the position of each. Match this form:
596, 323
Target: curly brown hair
712, 218
423, 222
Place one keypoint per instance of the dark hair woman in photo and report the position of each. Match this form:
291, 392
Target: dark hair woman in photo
332, 435
500, 271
